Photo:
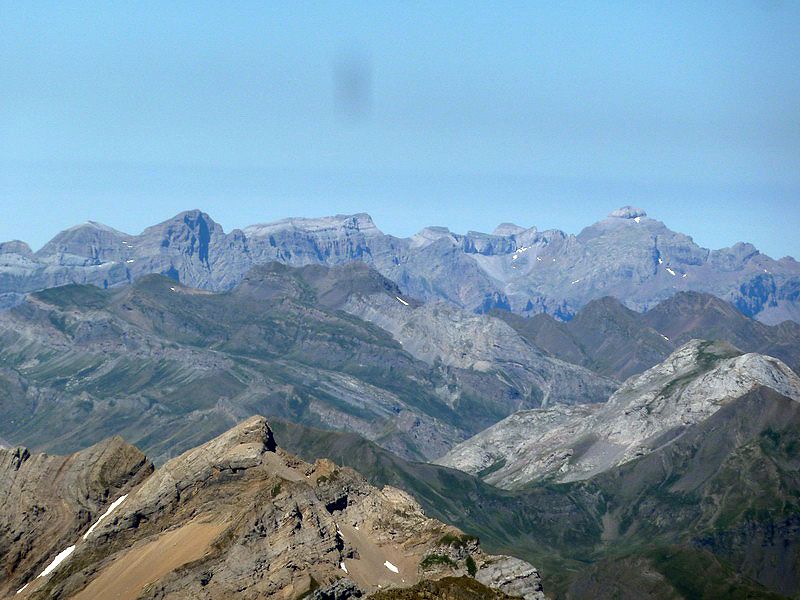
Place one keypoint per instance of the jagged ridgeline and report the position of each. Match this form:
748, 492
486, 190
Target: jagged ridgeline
628, 255
234, 518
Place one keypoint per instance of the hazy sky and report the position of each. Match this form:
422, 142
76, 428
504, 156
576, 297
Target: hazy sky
458, 114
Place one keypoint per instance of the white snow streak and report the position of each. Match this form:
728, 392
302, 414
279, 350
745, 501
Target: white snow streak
130, 260
684, 275
64, 554
539, 258
670, 271
391, 567
343, 567
663, 336
638, 219
519, 251
172, 288
574, 282
23, 587
109, 510
399, 299
60, 557
660, 260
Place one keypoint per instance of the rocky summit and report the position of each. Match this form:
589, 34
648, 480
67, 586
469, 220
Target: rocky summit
628, 255
240, 518
649, 410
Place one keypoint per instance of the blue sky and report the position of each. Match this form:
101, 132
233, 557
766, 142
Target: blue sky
459, 114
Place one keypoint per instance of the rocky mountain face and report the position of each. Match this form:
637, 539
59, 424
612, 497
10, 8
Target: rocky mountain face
47, 502
240, 518
569, 443
613, 340
441, 334
627, 255
169, 366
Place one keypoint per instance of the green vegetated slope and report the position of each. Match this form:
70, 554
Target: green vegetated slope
169, 367
714, 514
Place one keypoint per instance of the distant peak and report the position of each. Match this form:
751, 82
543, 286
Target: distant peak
360, 221
431, 234
627, 212
191, 216
15, 247
508, 229
94, 226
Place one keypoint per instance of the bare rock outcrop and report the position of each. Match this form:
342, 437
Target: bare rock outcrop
240, 518
513, 576
46, 501
569, 443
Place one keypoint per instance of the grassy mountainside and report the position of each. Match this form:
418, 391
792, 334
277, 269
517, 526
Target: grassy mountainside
169, 367
448, 588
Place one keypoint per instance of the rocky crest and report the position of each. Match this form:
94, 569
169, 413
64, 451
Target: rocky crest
627, 255
47, 501
575, 443
239, 517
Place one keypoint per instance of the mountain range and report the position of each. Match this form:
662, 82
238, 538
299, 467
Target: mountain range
168, 366
443, 416
628, 255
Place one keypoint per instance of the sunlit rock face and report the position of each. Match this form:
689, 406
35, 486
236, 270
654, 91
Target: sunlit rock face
235, 517
569, 443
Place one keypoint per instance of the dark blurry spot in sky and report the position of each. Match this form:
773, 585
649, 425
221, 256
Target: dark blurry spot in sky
352, 80
771, 5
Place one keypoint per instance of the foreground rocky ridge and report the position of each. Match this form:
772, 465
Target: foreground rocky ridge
627, 255
239, 517
574, 443
46, 502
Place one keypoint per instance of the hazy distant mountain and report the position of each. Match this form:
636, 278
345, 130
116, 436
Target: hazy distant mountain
613, 340
604, 336
627, 255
